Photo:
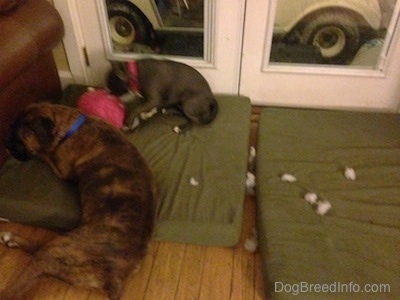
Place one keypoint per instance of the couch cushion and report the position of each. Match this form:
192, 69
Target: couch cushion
30, 193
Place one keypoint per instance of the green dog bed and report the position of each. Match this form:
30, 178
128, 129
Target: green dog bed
200, 177
354, 247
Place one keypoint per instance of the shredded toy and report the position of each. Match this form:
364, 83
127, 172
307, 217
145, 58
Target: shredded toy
102, 104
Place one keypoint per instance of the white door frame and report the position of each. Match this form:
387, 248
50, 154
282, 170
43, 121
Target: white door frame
73, 40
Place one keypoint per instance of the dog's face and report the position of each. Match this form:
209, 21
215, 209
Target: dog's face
30, 134
118, 79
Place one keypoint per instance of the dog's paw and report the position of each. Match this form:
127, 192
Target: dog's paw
7, 239
147, 115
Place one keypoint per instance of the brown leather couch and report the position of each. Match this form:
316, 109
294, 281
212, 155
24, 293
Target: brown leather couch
29, 29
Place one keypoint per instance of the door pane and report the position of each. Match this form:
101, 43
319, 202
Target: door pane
343, 32
158, 27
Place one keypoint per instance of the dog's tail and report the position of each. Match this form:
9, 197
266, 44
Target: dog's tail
24, 283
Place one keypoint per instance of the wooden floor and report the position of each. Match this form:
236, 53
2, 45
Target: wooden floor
170, 271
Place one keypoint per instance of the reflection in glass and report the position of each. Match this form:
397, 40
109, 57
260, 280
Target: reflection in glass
165, 27
342, 32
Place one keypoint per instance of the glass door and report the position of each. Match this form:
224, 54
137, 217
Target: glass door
321, 32
319, 53
180, 28
206, 34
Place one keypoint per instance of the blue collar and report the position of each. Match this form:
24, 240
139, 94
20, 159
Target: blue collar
74, 127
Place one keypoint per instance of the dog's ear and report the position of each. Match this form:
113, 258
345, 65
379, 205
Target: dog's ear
43, 130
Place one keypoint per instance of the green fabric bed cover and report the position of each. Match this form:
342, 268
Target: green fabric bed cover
200, 177
355, 247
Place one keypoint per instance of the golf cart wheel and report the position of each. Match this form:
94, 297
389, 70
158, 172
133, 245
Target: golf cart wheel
335, 33
128, 25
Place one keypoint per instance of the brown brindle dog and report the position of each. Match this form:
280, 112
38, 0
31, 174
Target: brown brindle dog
116, 193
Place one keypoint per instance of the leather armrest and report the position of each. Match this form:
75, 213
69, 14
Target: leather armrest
28, 31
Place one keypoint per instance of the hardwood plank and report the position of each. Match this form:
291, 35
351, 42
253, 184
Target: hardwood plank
244, 266
191, 273
243, 275
260, 293
164, 278
217, 274
138, 281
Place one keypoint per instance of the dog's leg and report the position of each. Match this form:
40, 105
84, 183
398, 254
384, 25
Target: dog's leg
113, 286
14, 241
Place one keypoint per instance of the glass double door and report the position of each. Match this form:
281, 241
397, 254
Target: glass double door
319, 53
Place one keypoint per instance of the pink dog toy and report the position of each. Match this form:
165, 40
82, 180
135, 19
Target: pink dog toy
102, 104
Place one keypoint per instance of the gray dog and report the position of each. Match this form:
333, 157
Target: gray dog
156, 85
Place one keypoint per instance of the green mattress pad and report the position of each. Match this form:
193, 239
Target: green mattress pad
352, 252
199, 175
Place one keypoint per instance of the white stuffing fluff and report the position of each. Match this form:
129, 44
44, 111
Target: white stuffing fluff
193, 181
288, 178
176, 129
350, 174
311, 197
323, 207
252, 155
251, 244
250, 183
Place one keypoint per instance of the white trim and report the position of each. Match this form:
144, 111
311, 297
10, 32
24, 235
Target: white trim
73, 40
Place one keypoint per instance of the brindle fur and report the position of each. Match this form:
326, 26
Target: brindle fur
116, 193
